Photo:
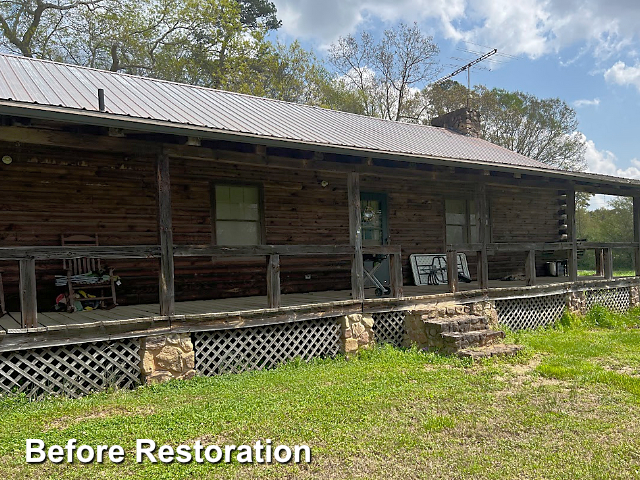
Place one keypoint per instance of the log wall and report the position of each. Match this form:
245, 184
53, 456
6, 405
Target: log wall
47, 192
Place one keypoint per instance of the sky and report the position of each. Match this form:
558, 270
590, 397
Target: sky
586, 52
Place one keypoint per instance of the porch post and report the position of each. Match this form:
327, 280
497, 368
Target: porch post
273, 281
482, 212
28, 297
530, 268
608, 263
636, 234
599, 253
395, 268
165, 232
572, 261
355, 236
452, 270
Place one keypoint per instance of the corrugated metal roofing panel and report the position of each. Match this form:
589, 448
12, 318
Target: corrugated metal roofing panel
48, 83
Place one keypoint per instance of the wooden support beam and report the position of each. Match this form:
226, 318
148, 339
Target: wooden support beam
28, 296
355, 235
165, 233
608, 263
572, 260
395, 275
530, 268
599, 253
482, 212
273, 281
636, 233
452, 270
483, 269
3, 309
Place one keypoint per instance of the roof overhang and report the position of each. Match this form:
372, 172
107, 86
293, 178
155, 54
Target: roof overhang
147, 125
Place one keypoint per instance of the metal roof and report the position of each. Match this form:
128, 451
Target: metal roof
31, 81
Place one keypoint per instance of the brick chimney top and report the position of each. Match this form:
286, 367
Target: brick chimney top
464, 121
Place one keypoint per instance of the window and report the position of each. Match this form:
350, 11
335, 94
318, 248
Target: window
238, 215
462, 225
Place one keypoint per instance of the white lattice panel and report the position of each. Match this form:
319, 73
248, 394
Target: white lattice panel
388, 327
243, 349
612, 298
530, 312
71, 370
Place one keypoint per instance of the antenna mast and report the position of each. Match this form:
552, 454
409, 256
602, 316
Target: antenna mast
467, 67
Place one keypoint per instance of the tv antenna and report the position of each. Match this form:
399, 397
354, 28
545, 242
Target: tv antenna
467, 67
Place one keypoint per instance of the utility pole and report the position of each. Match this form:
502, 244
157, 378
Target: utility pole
467, 67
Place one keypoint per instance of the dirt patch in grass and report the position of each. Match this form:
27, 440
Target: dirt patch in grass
62, 423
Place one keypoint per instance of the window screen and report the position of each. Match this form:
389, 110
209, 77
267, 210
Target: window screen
461, 221
238, 216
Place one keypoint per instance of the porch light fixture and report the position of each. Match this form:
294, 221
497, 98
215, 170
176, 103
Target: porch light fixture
324, 183
7, 160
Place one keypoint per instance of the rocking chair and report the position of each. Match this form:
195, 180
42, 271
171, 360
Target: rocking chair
77, 267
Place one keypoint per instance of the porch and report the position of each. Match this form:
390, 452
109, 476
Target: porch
290, 304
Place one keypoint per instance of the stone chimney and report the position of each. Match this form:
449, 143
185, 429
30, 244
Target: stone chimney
464, 121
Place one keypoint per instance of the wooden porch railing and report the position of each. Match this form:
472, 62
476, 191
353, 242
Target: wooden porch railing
27, 257
603, 250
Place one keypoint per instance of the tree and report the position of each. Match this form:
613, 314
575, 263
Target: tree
543, 129
197, 41
28, 25
613, 223
387, 76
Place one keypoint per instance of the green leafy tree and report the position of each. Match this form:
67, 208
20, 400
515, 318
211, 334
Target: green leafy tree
27, 26
613, 223
542, 129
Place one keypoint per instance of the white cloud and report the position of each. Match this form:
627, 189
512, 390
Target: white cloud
529, 27
586, 103
326, 20
605, 162
623, 74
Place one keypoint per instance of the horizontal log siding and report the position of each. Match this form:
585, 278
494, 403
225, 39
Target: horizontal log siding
521, 215
297, 210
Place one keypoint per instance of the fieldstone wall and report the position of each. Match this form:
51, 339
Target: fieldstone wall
576, 302
634, 296
357, 332
418, 333
165, 357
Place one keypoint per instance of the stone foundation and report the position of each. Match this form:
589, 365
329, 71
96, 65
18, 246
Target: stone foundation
357, 333
576, 302
634, 296
167, 357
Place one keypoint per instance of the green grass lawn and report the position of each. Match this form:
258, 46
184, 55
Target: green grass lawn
616, 273
567, 407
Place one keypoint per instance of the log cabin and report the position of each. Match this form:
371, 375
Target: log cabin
236, 225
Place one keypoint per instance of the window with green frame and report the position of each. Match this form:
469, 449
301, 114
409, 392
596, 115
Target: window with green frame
461, 221
238, 214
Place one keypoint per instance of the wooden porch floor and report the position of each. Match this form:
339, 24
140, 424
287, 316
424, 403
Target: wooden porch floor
11, 322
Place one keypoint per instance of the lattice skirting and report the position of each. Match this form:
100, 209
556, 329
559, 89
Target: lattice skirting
71, 370
388, 327
256, 348
530, 312
617, 299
